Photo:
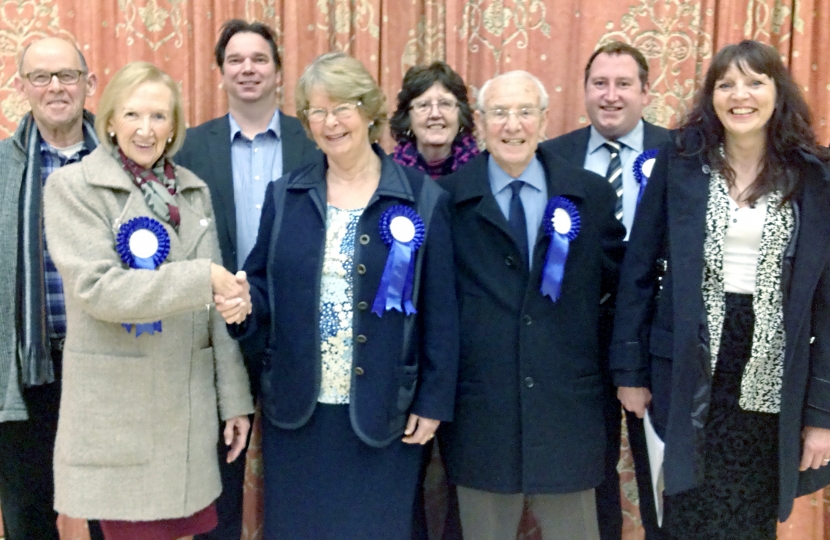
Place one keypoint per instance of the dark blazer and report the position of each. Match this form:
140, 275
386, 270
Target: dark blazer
572, 146
660, 334
207, 152
401, 363
528, 415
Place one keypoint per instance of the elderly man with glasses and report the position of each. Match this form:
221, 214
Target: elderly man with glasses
537, 250
55, 80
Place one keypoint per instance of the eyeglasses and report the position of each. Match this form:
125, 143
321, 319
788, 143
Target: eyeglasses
501, 116
423, 108
341, 112
65, 76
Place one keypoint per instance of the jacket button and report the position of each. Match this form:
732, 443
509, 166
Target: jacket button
812, 339
364, 239
360, 338
529, 382
527, 320
362, 306
361, 269
509, 261
358, 371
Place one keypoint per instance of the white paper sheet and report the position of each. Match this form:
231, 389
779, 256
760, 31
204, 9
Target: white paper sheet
656, 449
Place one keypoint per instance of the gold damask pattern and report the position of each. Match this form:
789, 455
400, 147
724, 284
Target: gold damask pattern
152, 23
344, 19
498, 24
673, 38
426, 43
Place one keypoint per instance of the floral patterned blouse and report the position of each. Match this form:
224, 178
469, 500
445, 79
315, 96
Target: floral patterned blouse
336, 305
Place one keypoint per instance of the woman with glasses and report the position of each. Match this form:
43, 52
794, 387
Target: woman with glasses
352, 280
433, 123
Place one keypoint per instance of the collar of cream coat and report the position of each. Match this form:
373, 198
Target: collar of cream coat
110, 174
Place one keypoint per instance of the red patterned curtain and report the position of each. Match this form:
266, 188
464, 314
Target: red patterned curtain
479, 38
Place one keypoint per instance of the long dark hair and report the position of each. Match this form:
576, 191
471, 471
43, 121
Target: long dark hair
789, 129
419, 79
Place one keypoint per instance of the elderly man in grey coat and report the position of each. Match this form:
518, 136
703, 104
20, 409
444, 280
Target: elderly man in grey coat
54, 78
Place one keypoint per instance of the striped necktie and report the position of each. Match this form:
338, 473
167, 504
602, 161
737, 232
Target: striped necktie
614, 174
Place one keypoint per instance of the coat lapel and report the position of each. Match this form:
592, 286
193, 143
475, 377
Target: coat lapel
219, 150
292, 144
476, 185
809, 261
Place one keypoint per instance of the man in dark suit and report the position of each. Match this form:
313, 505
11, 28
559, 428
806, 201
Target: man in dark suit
616, 91
237, 155
529, 408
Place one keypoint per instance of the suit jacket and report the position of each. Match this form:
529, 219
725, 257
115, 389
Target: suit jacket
530, 397
660, 333
137, 432
207, 152
401, 363
572, 146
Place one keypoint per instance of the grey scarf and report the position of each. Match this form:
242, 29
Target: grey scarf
33, 348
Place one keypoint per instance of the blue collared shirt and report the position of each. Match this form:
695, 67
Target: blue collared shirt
534, 194
597, 159
51, 159
254, 163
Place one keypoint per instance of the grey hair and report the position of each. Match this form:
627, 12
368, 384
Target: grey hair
517, 74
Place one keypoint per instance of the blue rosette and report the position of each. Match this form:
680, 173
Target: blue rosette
642, 170
143, 243
562, 224
403, 230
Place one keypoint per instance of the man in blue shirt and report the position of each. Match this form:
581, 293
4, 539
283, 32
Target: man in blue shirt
616, 91
237, 155
528, 425
54, 79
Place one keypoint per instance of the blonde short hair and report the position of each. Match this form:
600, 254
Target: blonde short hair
343, 78
125, 81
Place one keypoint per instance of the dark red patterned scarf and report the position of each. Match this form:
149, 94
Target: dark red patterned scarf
158, 185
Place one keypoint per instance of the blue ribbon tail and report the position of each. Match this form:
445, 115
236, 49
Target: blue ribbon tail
641, 190
128, 327
393, 280
146, 264
407, 289
147, 328
555, 266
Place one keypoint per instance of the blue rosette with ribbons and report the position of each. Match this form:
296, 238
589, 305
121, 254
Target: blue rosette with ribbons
143, 243
642, 170
402, 229
562, 223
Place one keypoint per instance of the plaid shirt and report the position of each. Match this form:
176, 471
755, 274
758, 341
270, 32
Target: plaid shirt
50, 161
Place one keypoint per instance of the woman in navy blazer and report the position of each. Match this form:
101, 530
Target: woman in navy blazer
722, 326
352, 278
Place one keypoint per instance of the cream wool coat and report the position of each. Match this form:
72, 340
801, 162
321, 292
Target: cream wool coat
138, 416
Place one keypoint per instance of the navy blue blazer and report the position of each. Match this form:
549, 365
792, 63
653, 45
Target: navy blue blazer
401, 363
529, 410
660, 334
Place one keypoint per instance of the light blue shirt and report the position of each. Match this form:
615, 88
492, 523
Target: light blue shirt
534, 195
255, 163
597, 159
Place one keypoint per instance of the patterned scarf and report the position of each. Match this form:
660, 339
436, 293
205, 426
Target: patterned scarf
463, 150
33, 346
761, 381
158, 185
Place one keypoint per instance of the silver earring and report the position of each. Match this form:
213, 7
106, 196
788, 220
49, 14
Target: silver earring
112, 134
169, 140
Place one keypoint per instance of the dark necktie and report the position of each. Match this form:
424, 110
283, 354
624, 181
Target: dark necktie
614, 174
517, 217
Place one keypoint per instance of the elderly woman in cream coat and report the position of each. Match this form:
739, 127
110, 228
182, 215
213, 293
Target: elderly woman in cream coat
138, 417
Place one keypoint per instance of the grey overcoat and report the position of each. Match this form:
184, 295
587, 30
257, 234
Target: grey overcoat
138, 416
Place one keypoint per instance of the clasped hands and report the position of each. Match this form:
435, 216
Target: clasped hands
231, 293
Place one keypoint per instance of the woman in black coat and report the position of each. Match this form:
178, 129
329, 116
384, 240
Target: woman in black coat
723, 313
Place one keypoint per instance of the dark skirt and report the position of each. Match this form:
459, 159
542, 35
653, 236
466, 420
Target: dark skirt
203, 521
322, 482
738, 499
